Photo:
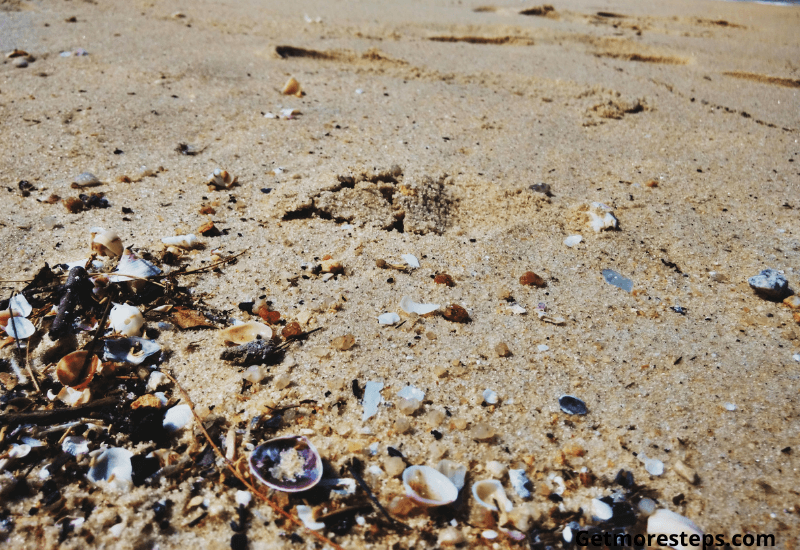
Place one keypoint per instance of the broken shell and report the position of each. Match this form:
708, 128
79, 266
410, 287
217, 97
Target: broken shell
187, 242
428, 486
664, 522
106, 243
73, 397
520, 482
133, 350
86, 179
601, 217
126, 320
113, 465
572, 240
75, 445
70, 371
19, 328
137, 268
388, 318
289, 464
221, 179
454, 471
177, 417
410, 306
411, 260
246, 332
19, 306
292, 87
306, 515
490, 494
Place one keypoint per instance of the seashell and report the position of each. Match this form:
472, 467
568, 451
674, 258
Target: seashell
490, 494
246, 332
306, 515
177, 418
72, 397
70, 370
292, 87
653, 466
496, 468
129, 264
410, 306
86, 179
411, 260
19, 306
106, 243
601, 511
243, 498
601, 217
517, 309
450, 536
114, 466
572, 405
126, 320
410, 392
372, 398
490, 396
289, 464
187, 242
289, 114
388, 318
156, 380
133, 350
572, 240
221, 179
19, 451
19, 328
75, 445
664, 522
428, 486
453, 471
520, 482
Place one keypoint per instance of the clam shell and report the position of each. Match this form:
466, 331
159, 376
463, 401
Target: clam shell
289, 464
246, 332
126, 320
113, 465
19, 306
129, 264
428, 486
106, 243
177, 418
70, 369
664, 522
133, 350
489, 493
410, 306
19, 328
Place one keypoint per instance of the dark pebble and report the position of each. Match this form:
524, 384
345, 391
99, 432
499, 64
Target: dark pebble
266, 190
624, 478
572, 405
394, 452
239, 541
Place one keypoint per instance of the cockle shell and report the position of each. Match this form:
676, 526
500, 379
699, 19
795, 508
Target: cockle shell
70, 371
664, 522
490, 494
289, 464
106, 243
126, 320
428, 486
410, 306
114, 466
221, 179
246, 332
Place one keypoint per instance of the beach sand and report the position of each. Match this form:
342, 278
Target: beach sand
421, 128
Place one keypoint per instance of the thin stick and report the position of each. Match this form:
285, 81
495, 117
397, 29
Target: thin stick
206, 268
49, 416
240, 477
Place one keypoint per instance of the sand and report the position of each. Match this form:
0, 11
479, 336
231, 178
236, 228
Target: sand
472, 103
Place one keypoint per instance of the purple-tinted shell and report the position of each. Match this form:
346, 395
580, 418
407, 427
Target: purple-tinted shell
268, 455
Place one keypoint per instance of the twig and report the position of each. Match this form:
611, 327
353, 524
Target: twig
240, 477
56, 415
206, 268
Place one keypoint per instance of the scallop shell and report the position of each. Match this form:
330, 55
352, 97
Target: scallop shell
489, 493
410, 306
70, 370
133, 350
289, 464
664, 522
187, 242
126, 320
106, 243
113, 465
428, 486
221, 179
246, 332
177, 417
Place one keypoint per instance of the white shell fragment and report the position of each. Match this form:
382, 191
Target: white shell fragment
601, 511
490, 396
389, 319
19, 306
410, 306
517, 309
372, 398
410, 392
411, 260
428, 487
454, 471
243, 498
653, 466
126, 320
75, 445
72, 397
133, 350
520, 482
550, 319
601, 217
137, 268
177, 417
221, 179
289, 114
306, 515
87, 179
156, 380
572, 240
106, 243
246, 332
490, 494
19, 328
114, 466
664, 522
187, 242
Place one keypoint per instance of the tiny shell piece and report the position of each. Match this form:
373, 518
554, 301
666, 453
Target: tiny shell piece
428, 486
221, 179
292, 87
490, 494
177, 417
246, 332
572, 240
106, 243
529, 278
187, 242
602, 511
126, 320
372, 398
411, 260
289, 464
137, 268
86, 179
389, 318
686, 472
133, 350
454, 471
410, 306
306, 515
73, 397
664, 522
410, 392
113, 465
520, 482
614, 278
601, 217
75, 445
572, 405
490, 396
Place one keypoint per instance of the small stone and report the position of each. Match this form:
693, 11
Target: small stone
434, 418
496, 469
208, 229
450, 536
686, 472
651, 184
402, 425
332, 266
20, 62
439, 371
444, 279
502, 350
601, 510
529, 278
254, 374
408, 406
438, 450
718, 277
614, 278
572, 240
796, 317
291, 330
503, 293
394, 466
572, 405
482, 431
459, 423
148, 400
344, 343
401, 506
770, 284
456, 314
540, 188
647, 506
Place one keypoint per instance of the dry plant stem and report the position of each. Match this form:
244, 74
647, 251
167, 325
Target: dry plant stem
206, 268
240, 477
52, 416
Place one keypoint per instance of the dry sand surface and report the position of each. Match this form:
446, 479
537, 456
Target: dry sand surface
422, 127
